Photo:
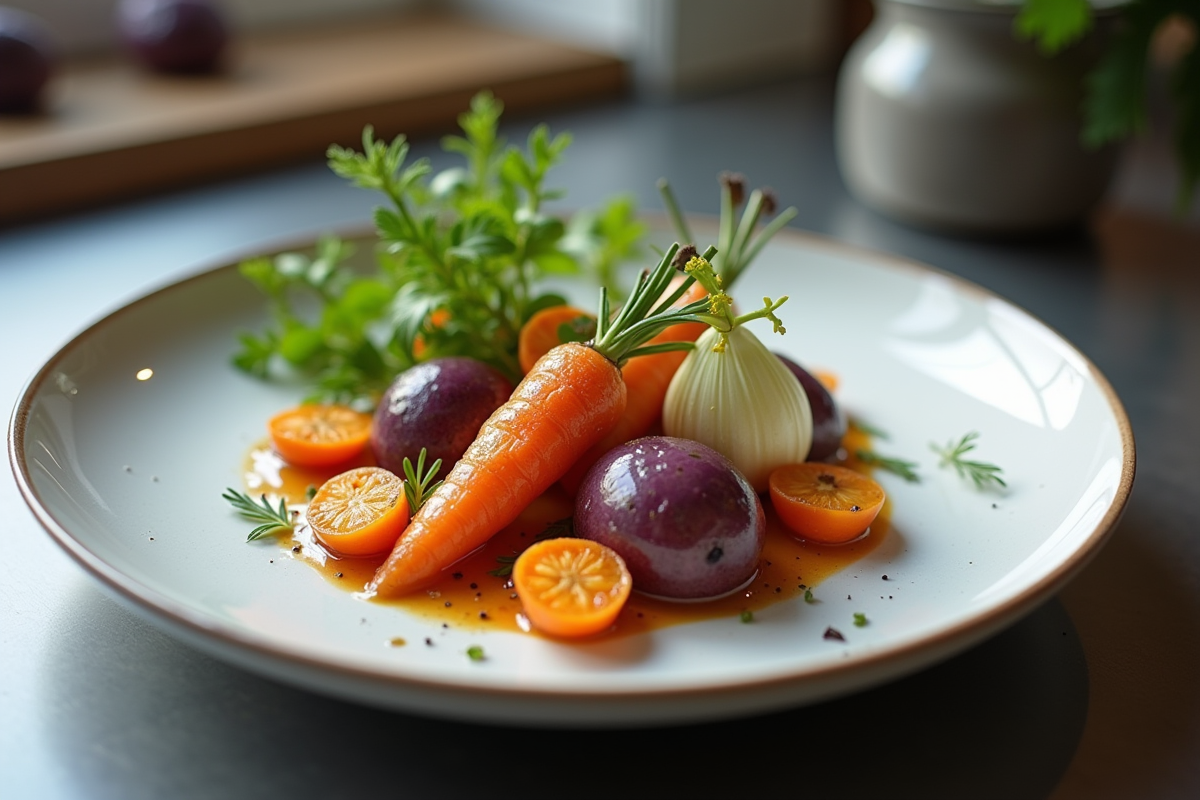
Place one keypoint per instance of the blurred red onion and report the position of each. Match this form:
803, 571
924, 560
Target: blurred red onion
27, 60
181, 36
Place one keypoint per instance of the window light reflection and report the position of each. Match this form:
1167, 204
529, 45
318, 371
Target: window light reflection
990, 352
894, 67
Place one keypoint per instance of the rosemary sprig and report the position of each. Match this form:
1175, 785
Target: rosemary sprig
554, 530
898, 466
868, 429
417, 487
557, 529
506, 566
981, 473
272, 520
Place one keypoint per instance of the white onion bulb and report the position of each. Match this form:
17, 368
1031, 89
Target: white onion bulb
742, 402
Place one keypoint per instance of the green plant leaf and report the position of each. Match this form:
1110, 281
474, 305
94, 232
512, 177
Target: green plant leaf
1185, 85
1053, 24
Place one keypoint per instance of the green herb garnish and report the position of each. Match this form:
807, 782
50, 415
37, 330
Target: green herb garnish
274, 520
808, 596
898, 466
554, 530
747, 617
475, 653
981, 473
417, 488
557, 529
870, 430
460, 258
506, 566
860, 620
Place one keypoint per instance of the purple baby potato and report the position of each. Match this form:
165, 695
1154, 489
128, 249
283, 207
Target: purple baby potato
829, 426
439, 405
688, 524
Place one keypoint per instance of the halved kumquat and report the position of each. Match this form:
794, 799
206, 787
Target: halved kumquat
825, 503
359, 513
571, 587
315, 435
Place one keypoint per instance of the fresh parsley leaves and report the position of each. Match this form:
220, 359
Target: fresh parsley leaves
461, 255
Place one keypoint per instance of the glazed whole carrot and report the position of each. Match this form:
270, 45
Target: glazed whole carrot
569, 401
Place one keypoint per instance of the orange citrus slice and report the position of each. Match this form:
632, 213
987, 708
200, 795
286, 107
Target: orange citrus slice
823, 502
571, 587
319, 435
359, 513
539, 335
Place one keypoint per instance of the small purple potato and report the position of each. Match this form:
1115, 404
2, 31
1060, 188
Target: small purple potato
829, 426
181, 36
688, 524
26, 61
439, 405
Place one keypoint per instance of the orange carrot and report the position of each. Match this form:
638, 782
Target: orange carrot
541, 332
570, 400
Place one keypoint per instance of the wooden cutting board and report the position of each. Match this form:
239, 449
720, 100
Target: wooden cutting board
111, 131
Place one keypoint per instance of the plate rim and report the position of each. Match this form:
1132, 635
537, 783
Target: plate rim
218, 638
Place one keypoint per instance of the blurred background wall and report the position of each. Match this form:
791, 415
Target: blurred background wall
674, 46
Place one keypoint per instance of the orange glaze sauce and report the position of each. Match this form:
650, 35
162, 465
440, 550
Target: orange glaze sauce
469, 596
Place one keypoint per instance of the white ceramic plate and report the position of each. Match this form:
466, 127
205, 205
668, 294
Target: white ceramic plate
127, 475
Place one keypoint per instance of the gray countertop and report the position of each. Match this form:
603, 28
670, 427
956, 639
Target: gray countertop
1094, 694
